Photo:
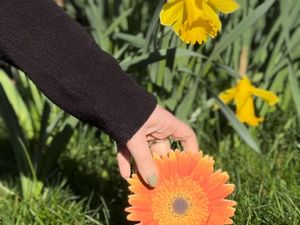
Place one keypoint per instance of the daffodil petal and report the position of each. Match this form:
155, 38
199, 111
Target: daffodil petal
245, 112
201, 23
196, 32
227, 95
268, 96
224, 6
171, 12
214, 20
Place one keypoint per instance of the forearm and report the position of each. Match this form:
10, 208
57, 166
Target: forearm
68, 67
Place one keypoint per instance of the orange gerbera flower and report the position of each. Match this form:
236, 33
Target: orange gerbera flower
189, 192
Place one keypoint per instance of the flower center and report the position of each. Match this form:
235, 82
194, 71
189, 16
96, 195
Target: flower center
179, 201
180, 206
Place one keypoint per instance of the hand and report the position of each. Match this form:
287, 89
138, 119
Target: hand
160, 125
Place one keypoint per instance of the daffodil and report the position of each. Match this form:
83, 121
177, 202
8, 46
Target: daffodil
194, 20
243, 94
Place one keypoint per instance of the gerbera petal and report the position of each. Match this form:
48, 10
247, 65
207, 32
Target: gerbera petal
188, 163
226, 212
228, 221
151, 223
225, 6
172, 164
223, 202
180, 198
215, 180
215, 219
222, 192
136, 185
268, 96
163, 167
140, 201
203, 169
136, 216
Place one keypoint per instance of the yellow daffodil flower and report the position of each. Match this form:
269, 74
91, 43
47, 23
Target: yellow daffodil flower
242, 94
194, 20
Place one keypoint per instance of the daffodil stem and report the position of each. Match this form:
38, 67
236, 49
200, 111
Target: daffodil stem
243, 61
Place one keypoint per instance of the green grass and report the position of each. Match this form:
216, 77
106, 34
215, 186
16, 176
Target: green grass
267, 185
56, 206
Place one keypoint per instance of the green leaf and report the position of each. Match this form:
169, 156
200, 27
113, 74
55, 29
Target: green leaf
43, 134
134, 40
18, 141
15, 99
15, 132
295, 88
243, 26
58, 144
117, 22
156, 56
185, 107
153, 24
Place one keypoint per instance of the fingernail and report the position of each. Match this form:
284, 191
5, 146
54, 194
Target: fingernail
152, 180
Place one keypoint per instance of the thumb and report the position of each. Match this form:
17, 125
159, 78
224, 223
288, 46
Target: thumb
123, 157
139, 149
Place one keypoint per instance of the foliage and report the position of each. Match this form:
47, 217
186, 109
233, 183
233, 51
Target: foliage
55, 207
47, 145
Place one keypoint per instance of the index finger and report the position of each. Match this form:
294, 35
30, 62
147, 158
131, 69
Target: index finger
186, 136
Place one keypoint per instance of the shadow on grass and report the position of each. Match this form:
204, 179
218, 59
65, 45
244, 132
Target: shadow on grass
106, 193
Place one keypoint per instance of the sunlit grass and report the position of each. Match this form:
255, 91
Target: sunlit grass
56, 206
267, 185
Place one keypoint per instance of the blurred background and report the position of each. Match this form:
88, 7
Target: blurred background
57, 170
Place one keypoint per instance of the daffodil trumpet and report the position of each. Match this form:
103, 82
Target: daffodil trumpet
194, 20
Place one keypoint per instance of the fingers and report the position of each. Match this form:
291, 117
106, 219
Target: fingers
160, 125
164, 124
139, 149
186, 136
123, 158
160, 147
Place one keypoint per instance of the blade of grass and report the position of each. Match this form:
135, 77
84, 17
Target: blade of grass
16, 135
295, 88
152, 26
185, 107
134, 40
58, 144
117, 22
156, 56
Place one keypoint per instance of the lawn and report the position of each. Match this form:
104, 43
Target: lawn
86, 189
